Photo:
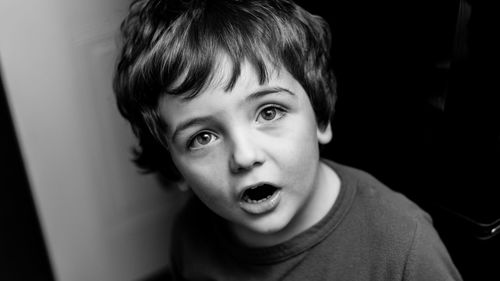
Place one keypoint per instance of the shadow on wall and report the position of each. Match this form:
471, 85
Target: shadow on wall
23, 255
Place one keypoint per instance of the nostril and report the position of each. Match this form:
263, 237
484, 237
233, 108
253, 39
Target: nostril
245, 161
239, 167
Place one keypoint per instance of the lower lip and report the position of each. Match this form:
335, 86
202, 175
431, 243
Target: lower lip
263, 207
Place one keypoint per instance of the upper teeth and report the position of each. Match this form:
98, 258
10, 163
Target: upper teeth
247, 199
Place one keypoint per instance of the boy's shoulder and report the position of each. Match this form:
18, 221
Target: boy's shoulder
397, 232
390, 216
193, 240
376, 197
193, 217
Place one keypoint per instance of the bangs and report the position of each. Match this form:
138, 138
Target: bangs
195, 75
207, 41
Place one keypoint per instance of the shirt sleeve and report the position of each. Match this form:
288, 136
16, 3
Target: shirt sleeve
428, 258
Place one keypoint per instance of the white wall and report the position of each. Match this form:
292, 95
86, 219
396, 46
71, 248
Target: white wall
101, 220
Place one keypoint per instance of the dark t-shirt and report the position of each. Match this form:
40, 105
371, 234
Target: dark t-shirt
371, 233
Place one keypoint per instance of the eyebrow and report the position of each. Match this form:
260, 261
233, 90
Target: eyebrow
191, 122
204, 119
260, 93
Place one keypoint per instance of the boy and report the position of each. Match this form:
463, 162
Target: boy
234, 98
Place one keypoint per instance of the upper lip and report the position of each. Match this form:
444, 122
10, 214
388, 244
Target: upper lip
245, 188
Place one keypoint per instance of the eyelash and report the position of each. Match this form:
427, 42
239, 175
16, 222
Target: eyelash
191, 141
279, 111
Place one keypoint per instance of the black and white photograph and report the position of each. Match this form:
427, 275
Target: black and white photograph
249, 140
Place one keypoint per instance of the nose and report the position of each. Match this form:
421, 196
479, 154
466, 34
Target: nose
246, 152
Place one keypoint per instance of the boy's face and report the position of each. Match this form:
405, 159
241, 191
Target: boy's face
250, 154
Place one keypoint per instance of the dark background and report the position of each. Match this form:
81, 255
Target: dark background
418, 108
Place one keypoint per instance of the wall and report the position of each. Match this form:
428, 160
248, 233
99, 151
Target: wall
101, 220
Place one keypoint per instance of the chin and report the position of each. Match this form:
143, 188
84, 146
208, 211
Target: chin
269, 225
269, 229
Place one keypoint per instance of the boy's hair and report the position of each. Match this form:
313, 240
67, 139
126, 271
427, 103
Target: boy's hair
172, 48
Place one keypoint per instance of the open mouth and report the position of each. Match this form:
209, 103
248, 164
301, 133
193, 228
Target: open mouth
260, 199
258, 194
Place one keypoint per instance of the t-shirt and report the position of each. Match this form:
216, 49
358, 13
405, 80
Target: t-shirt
370, 233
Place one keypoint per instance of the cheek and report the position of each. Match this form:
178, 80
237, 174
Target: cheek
207, 185
301, 139
299, 151
208, 182
203, 174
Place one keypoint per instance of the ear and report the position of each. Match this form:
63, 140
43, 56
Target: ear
325, 134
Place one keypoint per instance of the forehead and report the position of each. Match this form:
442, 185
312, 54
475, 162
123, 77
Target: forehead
225, 71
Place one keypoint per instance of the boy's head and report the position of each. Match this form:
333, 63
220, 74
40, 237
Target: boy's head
237, 96
177, 48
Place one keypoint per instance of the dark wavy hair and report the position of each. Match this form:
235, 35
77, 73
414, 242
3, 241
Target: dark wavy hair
172, 48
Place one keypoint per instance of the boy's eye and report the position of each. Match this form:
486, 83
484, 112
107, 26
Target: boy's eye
201, 139
271, 113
